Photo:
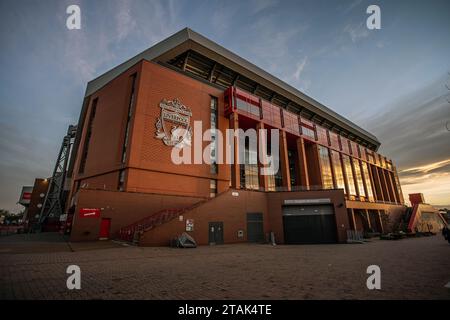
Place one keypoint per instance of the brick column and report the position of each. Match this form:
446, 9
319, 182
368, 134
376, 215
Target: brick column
368, 219
235, 168
263, 180
352, 218
381, 221
303, 167
284, 161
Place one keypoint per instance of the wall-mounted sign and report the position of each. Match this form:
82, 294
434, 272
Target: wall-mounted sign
306, 201
89, 212
173, 126
189, 224
25, 195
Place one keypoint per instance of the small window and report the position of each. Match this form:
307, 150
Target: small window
121, 184
212, 188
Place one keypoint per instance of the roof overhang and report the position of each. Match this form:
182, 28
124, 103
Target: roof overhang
187, 39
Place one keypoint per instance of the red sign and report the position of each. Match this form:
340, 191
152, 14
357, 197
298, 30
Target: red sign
89, 213
26, 196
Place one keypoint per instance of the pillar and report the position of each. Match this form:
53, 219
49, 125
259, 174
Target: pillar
284, 161
303, 167
235, 168
263, 179
381, 221
369, 224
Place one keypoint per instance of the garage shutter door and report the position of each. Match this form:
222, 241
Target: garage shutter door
309, 224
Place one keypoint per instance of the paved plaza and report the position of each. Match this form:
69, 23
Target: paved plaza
34, 267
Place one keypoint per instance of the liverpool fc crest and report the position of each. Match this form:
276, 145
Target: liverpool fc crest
173, 126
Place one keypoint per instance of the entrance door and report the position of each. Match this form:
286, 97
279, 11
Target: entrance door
309, 224
105, 226
255, 230
216, 233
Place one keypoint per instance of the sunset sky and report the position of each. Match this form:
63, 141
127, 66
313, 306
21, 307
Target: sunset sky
389, 81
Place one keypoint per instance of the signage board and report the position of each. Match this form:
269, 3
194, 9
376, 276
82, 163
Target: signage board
89, 212
307, 201
189, 224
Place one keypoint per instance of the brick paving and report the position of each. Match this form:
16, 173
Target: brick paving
415, 268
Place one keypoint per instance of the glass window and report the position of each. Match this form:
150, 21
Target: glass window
322, 135
349, 174
365, 167
359, 178
327, 178
308, 132
214, 125
338, 174
249, 170
130, 111
247, 107
88, 136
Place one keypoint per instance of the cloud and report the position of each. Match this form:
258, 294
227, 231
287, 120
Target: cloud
357, 32
300, 66
429, 167
412, 131
259, 5
352, 5
125, 24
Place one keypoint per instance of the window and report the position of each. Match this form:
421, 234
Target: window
212, 188
247, 107
349, 174
327, 177
130, 110
121, 183
339, 176
359, 178
214, 125
322, 135
365, 167
292, 156
88, 136
249, 170
307, 128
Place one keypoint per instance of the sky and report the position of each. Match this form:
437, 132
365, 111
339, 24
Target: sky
391, 81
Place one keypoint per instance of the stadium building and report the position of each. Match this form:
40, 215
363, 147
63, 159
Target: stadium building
124, 183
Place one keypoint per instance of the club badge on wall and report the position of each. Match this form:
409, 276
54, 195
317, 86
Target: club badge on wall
173, 125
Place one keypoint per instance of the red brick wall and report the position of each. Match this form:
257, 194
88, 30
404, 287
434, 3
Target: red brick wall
229, 209
232, 212
150, 158
123, 208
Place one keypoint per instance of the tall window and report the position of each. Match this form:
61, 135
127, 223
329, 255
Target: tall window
88, 136
339, 176
249, 170
349, 174
365, 167
130, 111
292, 170
214, 125
359, 177
327, 177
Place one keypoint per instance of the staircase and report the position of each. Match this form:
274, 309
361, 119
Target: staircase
128, 233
